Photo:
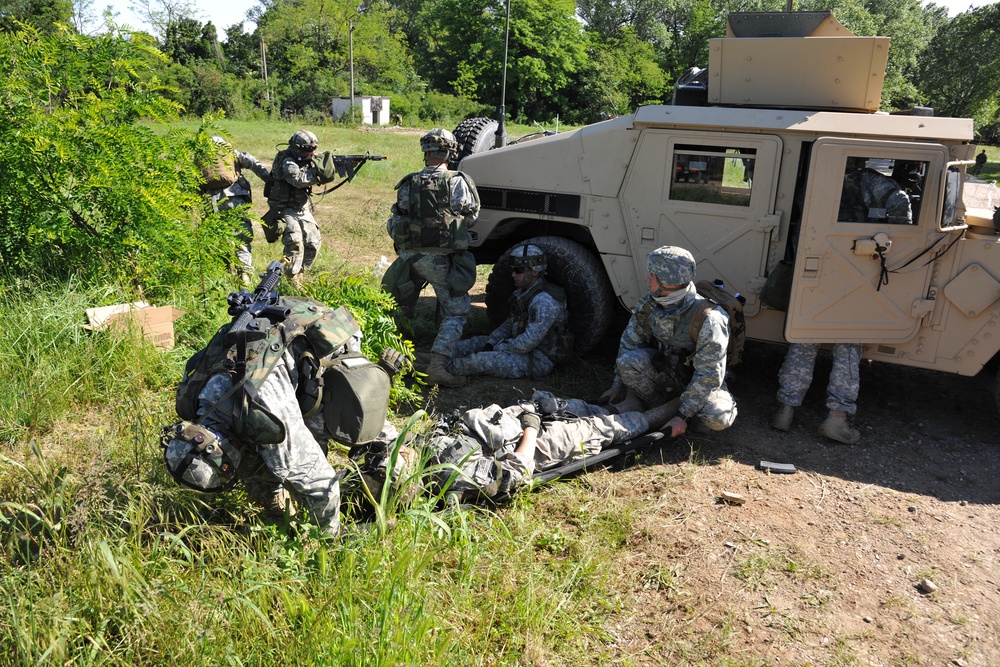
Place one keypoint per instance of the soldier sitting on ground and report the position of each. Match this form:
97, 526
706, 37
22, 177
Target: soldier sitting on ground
662, 355
527, 343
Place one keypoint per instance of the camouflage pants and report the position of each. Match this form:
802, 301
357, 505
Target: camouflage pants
644, 372
297, 462
797, 373
434, 268
244, 253
301, 239
470, 359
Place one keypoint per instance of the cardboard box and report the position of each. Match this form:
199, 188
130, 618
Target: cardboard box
156, 322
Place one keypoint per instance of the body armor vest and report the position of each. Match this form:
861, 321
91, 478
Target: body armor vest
430, 222
519, 305
279, 192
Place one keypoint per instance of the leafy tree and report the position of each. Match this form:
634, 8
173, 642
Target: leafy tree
624, 75
43, 15
87, 188
960, 70
162, 14
463, 53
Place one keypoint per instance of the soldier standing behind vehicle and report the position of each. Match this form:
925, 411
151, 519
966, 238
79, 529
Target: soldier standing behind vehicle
236, 192
980, 163
867, 196
293, 174
434, 209
660, 356
527, 343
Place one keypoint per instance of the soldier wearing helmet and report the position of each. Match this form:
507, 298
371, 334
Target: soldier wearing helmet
527, 343
290, 214
660, 356
434, 209
227, 188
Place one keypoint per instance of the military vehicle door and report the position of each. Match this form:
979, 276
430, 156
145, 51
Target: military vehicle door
709, 192
870, 213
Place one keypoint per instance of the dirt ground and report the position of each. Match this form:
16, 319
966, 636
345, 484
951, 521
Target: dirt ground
821, 567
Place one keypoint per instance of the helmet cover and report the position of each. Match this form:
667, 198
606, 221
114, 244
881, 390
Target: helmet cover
303, 141
438, 140
528, 256
199, 458
672, 265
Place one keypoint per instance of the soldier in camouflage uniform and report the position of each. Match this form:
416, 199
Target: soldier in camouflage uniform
236, 195
526, 343
434, 209
293, 175
658, 358
870, 196
841, 391
867, 196
498, 449
273, 449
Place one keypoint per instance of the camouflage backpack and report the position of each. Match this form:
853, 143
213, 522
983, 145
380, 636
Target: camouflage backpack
324, 330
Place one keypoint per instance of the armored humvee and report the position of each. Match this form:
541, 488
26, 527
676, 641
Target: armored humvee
752, 174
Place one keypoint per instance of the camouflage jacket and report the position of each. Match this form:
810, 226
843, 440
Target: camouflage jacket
669, 330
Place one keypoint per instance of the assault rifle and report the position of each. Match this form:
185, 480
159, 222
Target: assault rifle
247, 307
345, 166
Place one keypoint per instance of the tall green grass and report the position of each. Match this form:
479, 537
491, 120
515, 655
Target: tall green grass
106, 561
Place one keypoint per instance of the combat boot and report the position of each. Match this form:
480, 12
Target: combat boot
837, 428
437, 373
297, 281
275, 504
783, 417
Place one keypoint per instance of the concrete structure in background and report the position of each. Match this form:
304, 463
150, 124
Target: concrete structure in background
373, 110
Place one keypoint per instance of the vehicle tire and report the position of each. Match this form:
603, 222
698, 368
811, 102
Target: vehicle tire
576, 269
475, 135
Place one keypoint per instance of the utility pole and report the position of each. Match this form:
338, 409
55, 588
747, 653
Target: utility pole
352, 68
263, 69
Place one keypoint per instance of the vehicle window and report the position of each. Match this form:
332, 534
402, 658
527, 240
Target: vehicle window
713, 174
878, 189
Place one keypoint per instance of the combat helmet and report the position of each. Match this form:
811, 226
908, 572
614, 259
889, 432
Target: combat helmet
303, 141
671, 265
199, 458
439, 140
528, 256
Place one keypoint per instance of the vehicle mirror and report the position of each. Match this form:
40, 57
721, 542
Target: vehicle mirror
951, 186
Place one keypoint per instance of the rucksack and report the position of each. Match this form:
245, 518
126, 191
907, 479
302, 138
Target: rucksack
217, 174
733, 306
326, 329
359, 391
716, 296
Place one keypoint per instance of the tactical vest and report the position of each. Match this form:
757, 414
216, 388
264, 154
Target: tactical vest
322, 329
694, 317
520, 315
430, 222
279, 192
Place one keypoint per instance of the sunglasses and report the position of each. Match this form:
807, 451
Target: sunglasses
517, 271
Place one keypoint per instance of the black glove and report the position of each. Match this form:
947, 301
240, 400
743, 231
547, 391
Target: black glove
391, 361
530, 419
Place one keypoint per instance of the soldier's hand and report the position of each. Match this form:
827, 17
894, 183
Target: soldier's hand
614, 394
391, 361
530, 419
677, 426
